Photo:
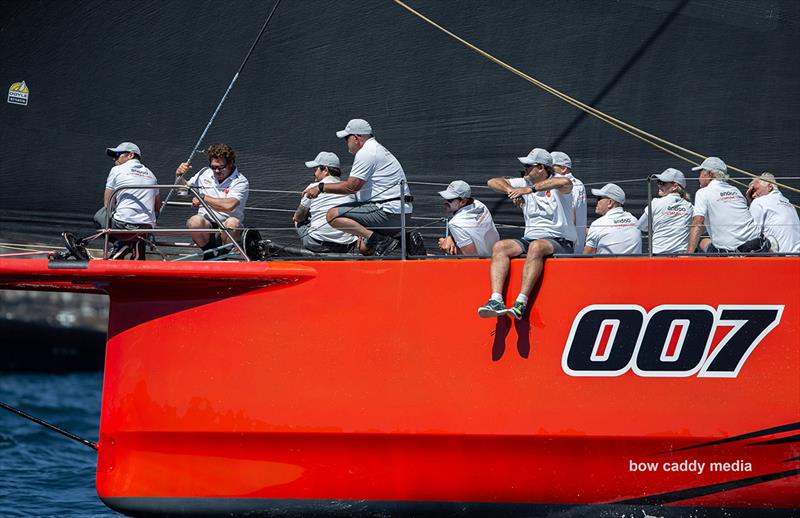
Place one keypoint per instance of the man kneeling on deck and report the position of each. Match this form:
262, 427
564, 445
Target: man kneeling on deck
315, 232
223, 189
546, 202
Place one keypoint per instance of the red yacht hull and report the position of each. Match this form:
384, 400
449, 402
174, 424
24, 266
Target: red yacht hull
343, 386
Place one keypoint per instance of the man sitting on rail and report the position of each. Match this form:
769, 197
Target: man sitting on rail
471, 230
310, 217
375, 181
722, 209
615, 231
774, 214
133, 209
546, 201
223, 189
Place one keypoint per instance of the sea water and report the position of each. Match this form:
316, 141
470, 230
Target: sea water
43, 473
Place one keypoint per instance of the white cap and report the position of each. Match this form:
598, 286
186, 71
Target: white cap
355, 127
612, 191
712, 163
124, 147
325, 159
672, 175
537, 156
561, 159
456, 189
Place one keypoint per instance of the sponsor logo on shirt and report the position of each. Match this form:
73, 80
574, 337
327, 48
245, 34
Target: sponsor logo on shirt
18, 94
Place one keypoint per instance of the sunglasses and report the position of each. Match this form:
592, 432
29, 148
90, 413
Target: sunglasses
217, 167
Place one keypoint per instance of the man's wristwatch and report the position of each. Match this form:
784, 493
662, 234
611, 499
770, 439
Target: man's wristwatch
533, 189
321, 186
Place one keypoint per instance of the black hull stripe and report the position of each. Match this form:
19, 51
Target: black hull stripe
760, 433
780, 440
695, 492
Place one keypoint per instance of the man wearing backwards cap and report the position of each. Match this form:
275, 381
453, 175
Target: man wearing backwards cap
722, 209
562, 165
133, 208
317, 235
471, 230
615, 231
546, 201
672, 214
774, 214
375, 181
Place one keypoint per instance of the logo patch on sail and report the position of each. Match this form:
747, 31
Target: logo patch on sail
18, 93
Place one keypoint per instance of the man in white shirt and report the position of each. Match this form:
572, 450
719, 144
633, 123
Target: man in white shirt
672, 214
223, 189
375, 179
131, 208
310, 217
562, 165
615, 231
546, 201
722, 209
774, 215
471, 230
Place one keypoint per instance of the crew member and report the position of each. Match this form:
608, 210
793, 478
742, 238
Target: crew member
615, 231
774, 214
132, 208
315, 232
375, 180
223, 189
722, 209
672, 214
546, 201
562, 165
471, 230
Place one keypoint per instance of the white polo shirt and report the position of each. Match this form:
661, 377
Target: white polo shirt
775, 216
381, 173
727, 218
234, 186
318, 226
616, 232
579, 206
547, 213
473, 224
136, 206
672, 218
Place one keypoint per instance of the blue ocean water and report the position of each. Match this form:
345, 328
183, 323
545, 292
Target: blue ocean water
43, 473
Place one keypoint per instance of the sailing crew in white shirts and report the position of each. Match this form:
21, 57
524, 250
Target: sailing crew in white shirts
672, 214
375, 180
562, 164
132, 208
224, 189
775, 216
722, 209
471, 230
615, 231
315, 232
546, 201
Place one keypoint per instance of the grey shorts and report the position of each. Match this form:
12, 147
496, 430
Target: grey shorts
560, 245
371, 216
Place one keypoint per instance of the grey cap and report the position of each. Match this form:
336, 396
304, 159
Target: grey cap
537, 156
124, 147
326, 159
561, 159
612, 191
712, 163
672, 175
456, 189
355, 127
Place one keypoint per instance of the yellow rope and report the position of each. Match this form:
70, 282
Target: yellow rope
619, 124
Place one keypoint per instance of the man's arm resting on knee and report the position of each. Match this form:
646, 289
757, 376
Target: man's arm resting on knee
696, 229
350, 186
220, 204
300, 215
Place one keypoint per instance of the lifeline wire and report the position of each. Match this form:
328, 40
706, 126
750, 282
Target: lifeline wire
619, 124
224, 96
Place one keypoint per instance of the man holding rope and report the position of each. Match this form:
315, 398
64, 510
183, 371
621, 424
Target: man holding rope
375, 181
223, 189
